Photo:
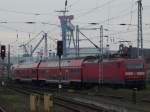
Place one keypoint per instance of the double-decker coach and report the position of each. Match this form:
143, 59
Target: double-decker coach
85, 71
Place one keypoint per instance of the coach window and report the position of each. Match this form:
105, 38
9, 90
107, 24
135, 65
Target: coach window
33, 70
47, 71
76, 71
29, 71
43, 71
17, 72
118, 64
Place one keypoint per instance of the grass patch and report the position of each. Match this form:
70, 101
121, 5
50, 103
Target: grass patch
10, 98
14, 101
148, 87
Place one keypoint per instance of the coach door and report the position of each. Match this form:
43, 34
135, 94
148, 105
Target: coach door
66, 75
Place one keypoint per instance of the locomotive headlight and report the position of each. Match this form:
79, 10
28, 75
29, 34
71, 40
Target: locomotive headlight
140, 73
129, 73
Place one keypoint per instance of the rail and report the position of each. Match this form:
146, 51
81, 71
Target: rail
80, 106
66, 102
105, 95
2, 109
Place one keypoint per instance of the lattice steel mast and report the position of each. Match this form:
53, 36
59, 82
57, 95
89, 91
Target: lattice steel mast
140, 31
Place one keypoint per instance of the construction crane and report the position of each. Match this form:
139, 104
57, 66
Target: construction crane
27, 54
25, 48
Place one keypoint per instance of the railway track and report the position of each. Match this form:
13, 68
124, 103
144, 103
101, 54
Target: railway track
80, 106
2, 109
65, 102
78, 99
104, 95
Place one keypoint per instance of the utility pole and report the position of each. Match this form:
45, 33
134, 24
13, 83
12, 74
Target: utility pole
77, 42
101, 57
101, 41
8, 66
140, 31
45, 49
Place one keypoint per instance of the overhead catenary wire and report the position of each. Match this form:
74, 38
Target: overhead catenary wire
131, 14
29, 22
117, 17
21, 30
121, 32
53, 39
34, 37
121, 13
126, 31
95, 8
89, 40
23, 13
14, 29
74, 3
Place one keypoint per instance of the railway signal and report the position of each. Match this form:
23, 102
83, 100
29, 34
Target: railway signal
59, 54
59, 48
3, 51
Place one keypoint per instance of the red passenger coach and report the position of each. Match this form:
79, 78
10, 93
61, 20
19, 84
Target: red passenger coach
70, 71
25, 71
88, 70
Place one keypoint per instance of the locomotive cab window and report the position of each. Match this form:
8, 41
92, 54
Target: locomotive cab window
135, 65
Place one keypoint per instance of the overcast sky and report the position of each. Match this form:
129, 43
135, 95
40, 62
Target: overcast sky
108, 13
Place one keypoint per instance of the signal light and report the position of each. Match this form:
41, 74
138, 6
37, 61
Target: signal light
59, 48
3, 51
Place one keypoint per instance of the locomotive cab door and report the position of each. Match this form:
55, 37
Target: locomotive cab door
66, 76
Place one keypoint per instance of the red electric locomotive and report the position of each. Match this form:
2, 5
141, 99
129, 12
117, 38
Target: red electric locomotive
120, 71
88, 70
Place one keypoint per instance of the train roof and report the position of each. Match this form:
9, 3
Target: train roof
25, 65
77, 62
64, 63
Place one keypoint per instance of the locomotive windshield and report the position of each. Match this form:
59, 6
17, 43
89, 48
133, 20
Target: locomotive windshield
135, 65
